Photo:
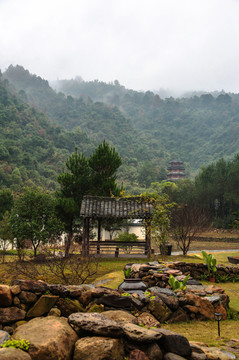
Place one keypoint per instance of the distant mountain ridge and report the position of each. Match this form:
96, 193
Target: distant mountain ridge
146, 130
97, 121
198, 129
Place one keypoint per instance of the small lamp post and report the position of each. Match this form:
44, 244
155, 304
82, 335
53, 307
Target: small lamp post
218, 318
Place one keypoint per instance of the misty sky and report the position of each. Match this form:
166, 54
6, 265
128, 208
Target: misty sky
145, 44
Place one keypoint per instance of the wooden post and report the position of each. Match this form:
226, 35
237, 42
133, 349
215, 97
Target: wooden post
85, 237
99, 236
148, 238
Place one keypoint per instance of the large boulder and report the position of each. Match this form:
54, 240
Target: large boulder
96, 324
11, 314
13, 354
99, 348
201, 307
5, 296
51, 338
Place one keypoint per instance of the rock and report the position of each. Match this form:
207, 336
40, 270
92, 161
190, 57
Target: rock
220, 309
197, 346
173, 342
172, 356
137, 354
178, 316
154, 352
95, 308
59, 290
203, 309
15, 290
13, 354
197, 356
31, 285
4, 335
50, 338
5, 296
69, 306
140, 334
20, 323
159, 309
11, 314
216, 354
98, 348
115, 301
54, 312
75, 290
9, 329
96, 324
27, 297
42, 306
86, 298
148, 320
121, 316
156, 290
16, 301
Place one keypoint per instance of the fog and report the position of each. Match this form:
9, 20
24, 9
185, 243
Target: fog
145, 44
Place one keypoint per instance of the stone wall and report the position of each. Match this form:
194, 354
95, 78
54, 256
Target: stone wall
94, 323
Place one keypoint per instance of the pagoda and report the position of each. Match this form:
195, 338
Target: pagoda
176, 170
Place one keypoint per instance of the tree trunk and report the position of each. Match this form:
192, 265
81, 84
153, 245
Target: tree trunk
68, 243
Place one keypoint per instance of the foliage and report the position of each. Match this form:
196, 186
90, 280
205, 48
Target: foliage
6, 236
17, 344
210, 261
104, 163
162, 207
127, 273
95, 176
126, 237
178, 285
33, 217
6, 202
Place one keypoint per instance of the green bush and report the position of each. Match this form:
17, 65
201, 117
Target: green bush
126, 237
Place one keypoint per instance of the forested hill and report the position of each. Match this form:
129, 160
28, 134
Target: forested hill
144, 159
32, 150
199, 130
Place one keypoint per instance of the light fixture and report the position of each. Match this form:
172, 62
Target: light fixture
218, 318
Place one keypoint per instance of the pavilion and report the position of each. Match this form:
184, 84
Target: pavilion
101, 208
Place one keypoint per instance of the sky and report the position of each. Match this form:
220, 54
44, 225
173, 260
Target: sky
181, 45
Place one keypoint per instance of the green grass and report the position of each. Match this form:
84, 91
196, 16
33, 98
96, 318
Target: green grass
206, 331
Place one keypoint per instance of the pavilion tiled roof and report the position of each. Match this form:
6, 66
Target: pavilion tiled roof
106, 207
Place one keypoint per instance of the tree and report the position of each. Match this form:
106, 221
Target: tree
186, 223
33, 217
162, 207
6, 202
104, 163
75, 182
6, 236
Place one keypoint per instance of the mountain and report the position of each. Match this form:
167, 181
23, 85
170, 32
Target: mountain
32, 150
99, 121
199, 129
